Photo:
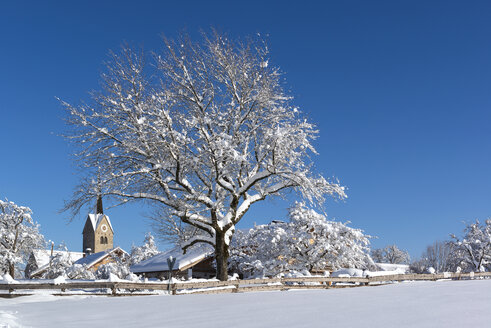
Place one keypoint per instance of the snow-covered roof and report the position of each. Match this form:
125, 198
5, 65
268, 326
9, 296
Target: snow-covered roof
159, 261
95, 219
43, 256
92, 259
403, 268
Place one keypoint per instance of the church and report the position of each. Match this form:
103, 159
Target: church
98, 232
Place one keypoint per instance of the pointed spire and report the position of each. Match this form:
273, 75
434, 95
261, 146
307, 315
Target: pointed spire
99, 207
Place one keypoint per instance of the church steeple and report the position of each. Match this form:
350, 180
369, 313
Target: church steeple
99, 208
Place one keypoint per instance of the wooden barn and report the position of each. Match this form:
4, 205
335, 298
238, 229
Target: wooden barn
93, 261
196, 263
40, 259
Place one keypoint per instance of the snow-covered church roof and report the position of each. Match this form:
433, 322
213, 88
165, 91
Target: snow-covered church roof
159, 262
95, 219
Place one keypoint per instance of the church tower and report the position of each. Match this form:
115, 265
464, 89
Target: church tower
98, 232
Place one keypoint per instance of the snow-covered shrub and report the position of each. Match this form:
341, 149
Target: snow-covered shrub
19, 234
308, 242
118, 268
79, 271
141, 253
418, 266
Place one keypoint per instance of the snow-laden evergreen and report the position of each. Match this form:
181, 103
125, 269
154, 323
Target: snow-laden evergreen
147, 250
206, 130
307, 242
19, 234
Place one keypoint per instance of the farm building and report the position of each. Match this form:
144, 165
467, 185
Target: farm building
40, 259
196, 263
93, 261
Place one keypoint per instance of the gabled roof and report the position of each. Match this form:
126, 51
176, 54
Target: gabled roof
95, 219
95, 258
42, 258
183, 261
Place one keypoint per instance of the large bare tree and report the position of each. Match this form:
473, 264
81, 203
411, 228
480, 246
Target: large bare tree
207, 131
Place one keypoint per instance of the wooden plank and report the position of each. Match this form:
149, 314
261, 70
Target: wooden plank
207, 291
261, 288
326, 279
139, 285
259, 281
204, 284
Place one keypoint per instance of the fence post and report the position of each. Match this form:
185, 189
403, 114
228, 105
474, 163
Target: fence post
282, 282
236, 287
114, 289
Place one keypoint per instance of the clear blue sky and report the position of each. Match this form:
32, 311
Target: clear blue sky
400, 91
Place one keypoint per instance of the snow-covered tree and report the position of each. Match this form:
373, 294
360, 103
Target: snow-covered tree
308, 242
320, 243
58, 264
441, 255
390, 254
116, 268
207, 131
378, 255
141, 253
19, 234
474, 249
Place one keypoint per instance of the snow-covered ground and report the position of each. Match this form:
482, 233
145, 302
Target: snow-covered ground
411, 304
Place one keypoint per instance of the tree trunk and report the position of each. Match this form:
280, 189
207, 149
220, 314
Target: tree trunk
12, 270
221, 256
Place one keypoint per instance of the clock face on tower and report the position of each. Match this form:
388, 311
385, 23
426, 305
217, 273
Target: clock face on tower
104, 228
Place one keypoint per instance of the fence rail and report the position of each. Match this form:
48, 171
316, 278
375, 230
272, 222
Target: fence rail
231, 286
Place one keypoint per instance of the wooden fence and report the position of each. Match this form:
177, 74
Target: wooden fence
121, 288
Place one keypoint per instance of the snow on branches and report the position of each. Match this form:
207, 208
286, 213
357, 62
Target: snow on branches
474, 249
207, 131
390, 254
141, 253
19, 234
307, 242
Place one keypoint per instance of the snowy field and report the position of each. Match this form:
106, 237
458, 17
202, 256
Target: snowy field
412, 304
